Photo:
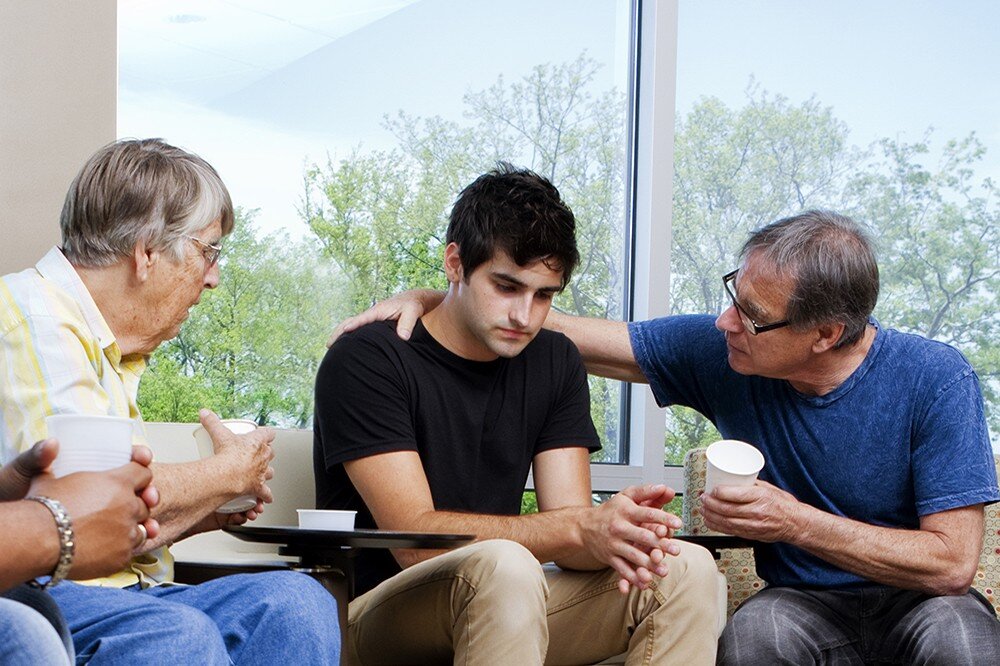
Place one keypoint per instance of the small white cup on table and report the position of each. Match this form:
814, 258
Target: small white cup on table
206, 449
336, 520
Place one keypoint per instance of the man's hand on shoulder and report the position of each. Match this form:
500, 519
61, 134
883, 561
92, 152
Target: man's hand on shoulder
406, 307
631, 533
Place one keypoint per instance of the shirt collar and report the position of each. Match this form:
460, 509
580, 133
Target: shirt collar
55, 266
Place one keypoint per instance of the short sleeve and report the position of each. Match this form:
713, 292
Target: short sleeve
953, 462
684, 359
47, 367
568, 422
361, 401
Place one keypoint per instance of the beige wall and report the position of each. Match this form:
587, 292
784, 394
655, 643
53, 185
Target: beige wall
58, 97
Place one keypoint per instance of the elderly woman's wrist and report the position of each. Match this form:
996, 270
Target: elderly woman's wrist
226, 473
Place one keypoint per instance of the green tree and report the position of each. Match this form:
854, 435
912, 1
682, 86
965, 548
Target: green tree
251, 348
938, 235
169, 394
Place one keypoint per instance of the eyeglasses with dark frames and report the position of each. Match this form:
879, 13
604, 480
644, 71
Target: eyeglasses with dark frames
209, 251
752, 327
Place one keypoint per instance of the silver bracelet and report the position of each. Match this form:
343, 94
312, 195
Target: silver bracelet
67, 545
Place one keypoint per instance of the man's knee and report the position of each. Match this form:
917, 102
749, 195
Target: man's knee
767, 629
504, 575
197, 627
499, 563
273, 616
951, 630
698, 563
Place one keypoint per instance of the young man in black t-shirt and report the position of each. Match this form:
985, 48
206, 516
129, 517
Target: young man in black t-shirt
437, 434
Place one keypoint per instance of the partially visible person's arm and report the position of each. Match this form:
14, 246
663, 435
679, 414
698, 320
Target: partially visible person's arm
105, 509
29, 543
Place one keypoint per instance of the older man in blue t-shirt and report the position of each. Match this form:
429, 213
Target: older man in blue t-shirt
870, 507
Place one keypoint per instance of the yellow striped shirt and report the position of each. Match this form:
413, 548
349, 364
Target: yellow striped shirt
58, 356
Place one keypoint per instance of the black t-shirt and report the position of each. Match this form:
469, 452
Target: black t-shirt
476, 425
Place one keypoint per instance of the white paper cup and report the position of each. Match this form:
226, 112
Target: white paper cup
326, 519
90, 443
206, 450
730, 462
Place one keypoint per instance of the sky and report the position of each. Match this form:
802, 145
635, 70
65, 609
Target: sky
262, 89
887, 67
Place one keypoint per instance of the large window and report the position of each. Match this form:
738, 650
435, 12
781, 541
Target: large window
344, 131
885, 111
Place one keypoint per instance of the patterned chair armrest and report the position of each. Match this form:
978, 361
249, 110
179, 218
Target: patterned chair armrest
694, 485
736, 564
987, 579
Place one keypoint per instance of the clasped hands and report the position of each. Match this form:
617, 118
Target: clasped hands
110, 510
632, 534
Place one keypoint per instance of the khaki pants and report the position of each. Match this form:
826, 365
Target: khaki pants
493, 603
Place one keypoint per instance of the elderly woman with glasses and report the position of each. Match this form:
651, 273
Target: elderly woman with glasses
142, 229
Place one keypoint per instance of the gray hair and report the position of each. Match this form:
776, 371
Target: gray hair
832, 262
140, 190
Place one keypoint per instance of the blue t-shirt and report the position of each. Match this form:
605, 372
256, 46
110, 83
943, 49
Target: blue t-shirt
904, 436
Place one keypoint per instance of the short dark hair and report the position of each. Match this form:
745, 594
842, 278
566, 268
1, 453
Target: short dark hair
516, 211
832, 262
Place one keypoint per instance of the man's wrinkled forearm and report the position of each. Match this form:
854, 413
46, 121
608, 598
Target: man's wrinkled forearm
189, 495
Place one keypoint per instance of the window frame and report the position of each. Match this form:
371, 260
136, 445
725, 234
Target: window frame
654, 59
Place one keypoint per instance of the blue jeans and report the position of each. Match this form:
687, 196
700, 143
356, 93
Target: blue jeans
872, 625
27, 638
277, 617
